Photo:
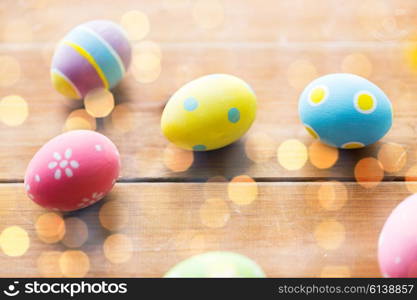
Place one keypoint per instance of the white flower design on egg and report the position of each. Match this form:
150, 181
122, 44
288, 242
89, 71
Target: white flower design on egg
61, 164
89, 201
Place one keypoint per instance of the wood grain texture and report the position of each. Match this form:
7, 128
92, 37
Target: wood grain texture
142, 145
279, 229
242, 20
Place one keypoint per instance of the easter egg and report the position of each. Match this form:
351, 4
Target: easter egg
208, 113
93, 55
216, 264
345, 111
72, 171
397, 246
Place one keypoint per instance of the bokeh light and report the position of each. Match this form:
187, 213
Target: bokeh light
9, 70
118, 248
300, 73
335, 271
215, 187
122, 118
214, 213
189, 242
322, 156
113, 215
80, 119
369, 172
74, 263
329, 234
357, 63
13, 110
147, 47
242, 190
50, 227
292, 154
14, 241
48, 264
177, 159
208, 14
411, 179
76, 232
392, 157
332, 195
99, 103
146, 66
136, 24
260, 147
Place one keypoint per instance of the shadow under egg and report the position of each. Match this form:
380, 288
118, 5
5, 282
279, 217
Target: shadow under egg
228, 162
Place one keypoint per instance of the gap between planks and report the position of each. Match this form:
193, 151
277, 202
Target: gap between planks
257, 179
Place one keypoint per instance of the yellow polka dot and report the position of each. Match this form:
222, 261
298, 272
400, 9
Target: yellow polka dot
365, 102
311, 131
353, 145
318, 95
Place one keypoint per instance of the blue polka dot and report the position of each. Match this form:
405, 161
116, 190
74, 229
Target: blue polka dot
233, 115
199, 148
190, 104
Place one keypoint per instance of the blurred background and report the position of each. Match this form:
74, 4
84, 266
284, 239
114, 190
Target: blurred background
294, 205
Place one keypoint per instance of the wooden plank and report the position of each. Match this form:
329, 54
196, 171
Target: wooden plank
290, 229
277, 74
231, 20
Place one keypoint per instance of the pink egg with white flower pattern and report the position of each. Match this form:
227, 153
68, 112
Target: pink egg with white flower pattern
72, 171
397, 247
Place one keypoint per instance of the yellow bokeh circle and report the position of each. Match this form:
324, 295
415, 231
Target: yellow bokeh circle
48, 264
242, 190
50, 227
118, 248
330, 234
292, 154
214, 213
74, 263
99, 103
13, 110
136, 24
14, 241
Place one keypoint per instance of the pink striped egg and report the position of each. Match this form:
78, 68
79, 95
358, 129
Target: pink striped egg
397, 247
72, 171
93, 55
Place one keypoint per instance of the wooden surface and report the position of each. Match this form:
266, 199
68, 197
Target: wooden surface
277, 47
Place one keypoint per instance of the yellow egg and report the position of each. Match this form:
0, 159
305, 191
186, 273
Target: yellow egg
210, 112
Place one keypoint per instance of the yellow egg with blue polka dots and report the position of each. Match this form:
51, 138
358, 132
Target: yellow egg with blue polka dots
210, 112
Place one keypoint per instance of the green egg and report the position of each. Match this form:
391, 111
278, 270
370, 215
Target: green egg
216, 264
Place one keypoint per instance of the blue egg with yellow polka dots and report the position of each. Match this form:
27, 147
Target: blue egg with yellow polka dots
345, 111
